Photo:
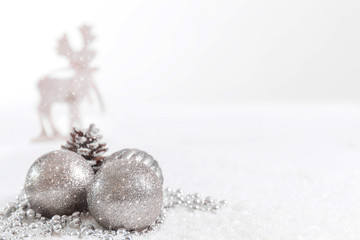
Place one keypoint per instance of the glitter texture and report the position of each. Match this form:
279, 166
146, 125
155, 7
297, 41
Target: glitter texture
56, 183
125, 194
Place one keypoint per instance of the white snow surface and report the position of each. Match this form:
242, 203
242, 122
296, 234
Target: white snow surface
287, 172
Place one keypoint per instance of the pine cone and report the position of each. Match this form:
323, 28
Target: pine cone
87, 143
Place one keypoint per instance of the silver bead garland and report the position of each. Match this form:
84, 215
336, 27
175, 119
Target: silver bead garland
19, 221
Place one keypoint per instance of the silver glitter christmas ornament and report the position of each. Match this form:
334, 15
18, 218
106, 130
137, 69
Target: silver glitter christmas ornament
126, 193
56, 183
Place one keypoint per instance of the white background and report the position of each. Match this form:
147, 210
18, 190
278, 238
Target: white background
191, 51
256, 102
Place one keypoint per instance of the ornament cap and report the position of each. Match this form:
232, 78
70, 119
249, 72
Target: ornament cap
139, 156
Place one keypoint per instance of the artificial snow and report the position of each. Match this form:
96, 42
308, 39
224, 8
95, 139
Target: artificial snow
287, 172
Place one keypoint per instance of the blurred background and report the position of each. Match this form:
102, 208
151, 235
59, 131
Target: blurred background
259, 98
187, 52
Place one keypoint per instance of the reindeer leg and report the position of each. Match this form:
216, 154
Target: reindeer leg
99, 97
74, 115
41, 118
55, 131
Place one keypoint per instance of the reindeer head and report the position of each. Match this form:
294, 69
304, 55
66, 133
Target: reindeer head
79, 60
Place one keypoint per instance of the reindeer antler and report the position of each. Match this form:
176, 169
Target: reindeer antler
79, 60
87, 36
64, 46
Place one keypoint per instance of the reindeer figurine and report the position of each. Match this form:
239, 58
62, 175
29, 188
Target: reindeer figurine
71, 90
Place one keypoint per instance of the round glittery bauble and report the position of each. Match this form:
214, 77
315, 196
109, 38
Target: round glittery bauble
56, 183
126, 194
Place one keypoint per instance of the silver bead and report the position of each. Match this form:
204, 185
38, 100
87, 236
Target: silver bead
56, 219
25, 235
16, 224
89, 232
120, 231
209, 200
14, 231
127, 237
57, 228
108, 237
159, 221
223, 203
215, 207
75, 223
56, 183
76, 233
90, 226
47, 230
30, 214
33, 226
